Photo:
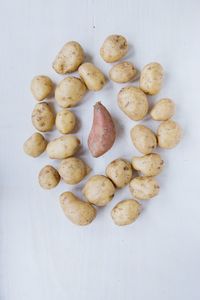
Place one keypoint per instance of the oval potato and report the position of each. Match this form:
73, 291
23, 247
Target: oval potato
48, 177
144, 187
114, 48
163, 110
42, 117
123, 72
35, 145
149, 164
41, 87
151, 78
65, 121
143, 139
92, 76
120, 172
72, 170
169, 134
63, 147
126, 212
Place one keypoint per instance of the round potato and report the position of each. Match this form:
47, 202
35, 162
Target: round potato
41, 87
92, 76
143, 188
65, 121
70, 91
169, 134
63, 147
35, 145
133, 102
149, 165
99, 190
69, 58
120, 172
114, 48
123, 72
151, 78
76, 210
143, 139
163, 110
126, 212
42, 117
48, 177
73, 170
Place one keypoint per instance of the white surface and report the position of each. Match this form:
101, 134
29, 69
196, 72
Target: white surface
42, 255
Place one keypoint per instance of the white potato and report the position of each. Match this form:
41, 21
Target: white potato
41, 87
48, 177
114, 48
42, 117
169, 134
63, 147
120, 172
149, 164
92, 76
65, 121
144, 187
151, 78
73, 170
35, 145
163, 110
143, 139
126, 212
123, 72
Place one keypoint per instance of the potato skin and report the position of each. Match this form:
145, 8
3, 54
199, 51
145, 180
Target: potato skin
35, 145
48, 177
63, 147
92, 76
126, 212
149, 164
143, 139
169, 134
77, 211
69, 58
120, 172
163, 110
99, 190
144, 187
114, 48
65, 121
42, 117
122, 72
133, 102
70, 91
151, 78
41, 87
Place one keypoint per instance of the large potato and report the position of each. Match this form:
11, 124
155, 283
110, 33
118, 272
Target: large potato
63, 147
133, 102
143, 188
99, 190
92, 76
123, 72
48, 177
73, 170
125, 212
169, 134
163, 110
76, 210
41, 87
69, 58
35, 145
143, 139
70, 91
114, 48
151, 78
149, 165
42, 117
120, 172
65, 121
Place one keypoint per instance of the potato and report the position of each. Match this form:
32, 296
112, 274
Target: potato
92, 76
63, 147
76, 210
42, 117
114, 48
73, 170
65, 121
120, 172
133, 102
48, 177
169, 134
144, 187
151, 78
163, 110
149, 165
35, 145
41, 87
69, 58
70, 91
99, 190
143, 139
123, 72
125, 212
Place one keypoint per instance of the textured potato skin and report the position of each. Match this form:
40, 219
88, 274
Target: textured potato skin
163, 110
114, 48
126, 212
69, 58
151, 78
120, 172
42, 117
65, 121
144, 187
35, 145
41, 87
77, 211
63, 147
149, 164
169, 134
122, 72
92, 76
143, 139
48, 177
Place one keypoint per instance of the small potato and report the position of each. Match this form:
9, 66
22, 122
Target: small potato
48, 177
169, 134
35, 145
42, 117
114, 48
92, 76
143, 139
120, 172
63, 147
70, 91
65, 121
125, 212
151, 78
72, 170
41, 87
69, 58
76, 210
143, 188
148, 165
123, 72
133, 102
163, 110
99, 190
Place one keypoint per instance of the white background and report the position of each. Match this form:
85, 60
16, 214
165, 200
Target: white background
42, 255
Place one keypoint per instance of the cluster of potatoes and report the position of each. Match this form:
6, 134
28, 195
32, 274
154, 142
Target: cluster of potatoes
99, 190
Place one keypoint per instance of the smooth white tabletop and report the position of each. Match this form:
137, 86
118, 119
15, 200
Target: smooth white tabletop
42, 255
